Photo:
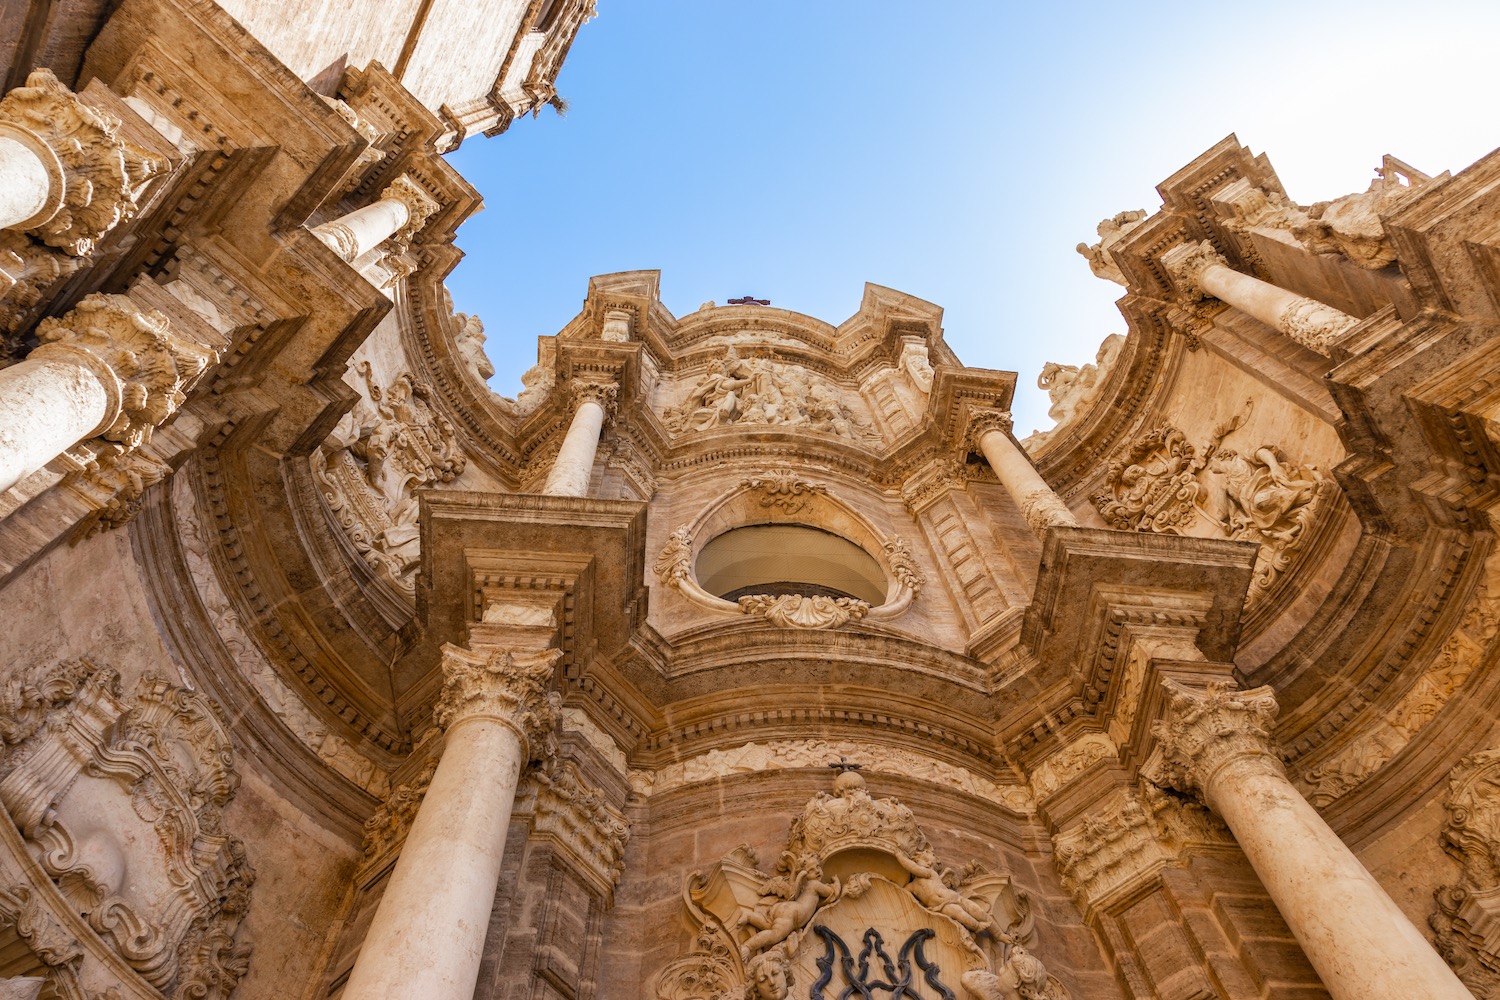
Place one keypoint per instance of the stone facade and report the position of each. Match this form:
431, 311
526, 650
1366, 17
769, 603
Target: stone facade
333, 674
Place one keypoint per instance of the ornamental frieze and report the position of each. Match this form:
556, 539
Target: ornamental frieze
757, 390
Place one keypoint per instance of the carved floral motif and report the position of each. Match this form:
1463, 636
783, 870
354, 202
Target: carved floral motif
575, 816
1167, 485
513, 685
391, 445
106, 786
761, 391
1466, 924
902, 564
388, 826
797, 611
1206, 729
784, 490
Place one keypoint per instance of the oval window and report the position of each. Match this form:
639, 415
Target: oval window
788, 559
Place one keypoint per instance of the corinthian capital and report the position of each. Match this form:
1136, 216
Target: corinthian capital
1206, 729
605, 394
99, 175
981, 422
133, 352
1187, 262
509, 685
420, 206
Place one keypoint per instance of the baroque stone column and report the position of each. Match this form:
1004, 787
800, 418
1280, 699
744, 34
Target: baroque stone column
106, 369
427, 936
1199, 271
574, 465
66, 175
1216, 742
401, 211
989, 430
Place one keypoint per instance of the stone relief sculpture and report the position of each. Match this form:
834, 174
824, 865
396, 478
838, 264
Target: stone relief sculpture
1111, 231
797, 611
1071, 389
1167, 485
468, 338
122, 800
761, 391
392, 444
856, 873
1466, 924
914, 362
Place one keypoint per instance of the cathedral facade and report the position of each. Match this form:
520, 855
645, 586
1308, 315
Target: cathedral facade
741, 655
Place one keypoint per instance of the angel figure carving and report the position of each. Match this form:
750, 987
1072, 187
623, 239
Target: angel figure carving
937, 889
1021, 977
788, 901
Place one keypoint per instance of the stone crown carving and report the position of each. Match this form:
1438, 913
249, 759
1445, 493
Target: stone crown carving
512, 686
152, 368
103, 174
1206, 729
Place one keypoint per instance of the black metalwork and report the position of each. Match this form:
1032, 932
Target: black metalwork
749, 301
855, 973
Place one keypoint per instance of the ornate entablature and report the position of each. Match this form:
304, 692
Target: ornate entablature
856, 902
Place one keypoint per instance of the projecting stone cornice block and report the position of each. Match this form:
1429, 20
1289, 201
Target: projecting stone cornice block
581, 558
1103, 597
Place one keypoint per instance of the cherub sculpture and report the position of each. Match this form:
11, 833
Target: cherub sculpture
787, 903
938, 889
1021, 977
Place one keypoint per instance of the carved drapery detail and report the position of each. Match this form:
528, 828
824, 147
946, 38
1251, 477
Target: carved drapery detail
784, 490
762, 391
1466, 923
575, 816
160, 765
103, 174
153, 367
1315, 325
1207, 729
1111, 231
510, 685
394, 443
1167, 485
797, 611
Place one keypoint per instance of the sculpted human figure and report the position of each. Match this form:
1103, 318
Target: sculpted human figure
938, 891
1021, 977
770, 975
1257, 492
788, 903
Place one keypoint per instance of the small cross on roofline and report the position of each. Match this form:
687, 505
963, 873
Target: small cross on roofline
749, 301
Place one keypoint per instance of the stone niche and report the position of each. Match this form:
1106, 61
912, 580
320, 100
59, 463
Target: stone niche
857, 905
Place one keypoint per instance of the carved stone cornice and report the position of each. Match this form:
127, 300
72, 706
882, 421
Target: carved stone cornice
101, 174
510, 686
1186, 262
1206, 729
575, 817
146, 368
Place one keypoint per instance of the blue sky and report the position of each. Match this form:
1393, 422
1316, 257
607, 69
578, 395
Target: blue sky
958, 151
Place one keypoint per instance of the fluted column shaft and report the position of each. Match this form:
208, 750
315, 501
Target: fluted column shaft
574, 465
1039, 503
427, 936
1362, 945
1199, 270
